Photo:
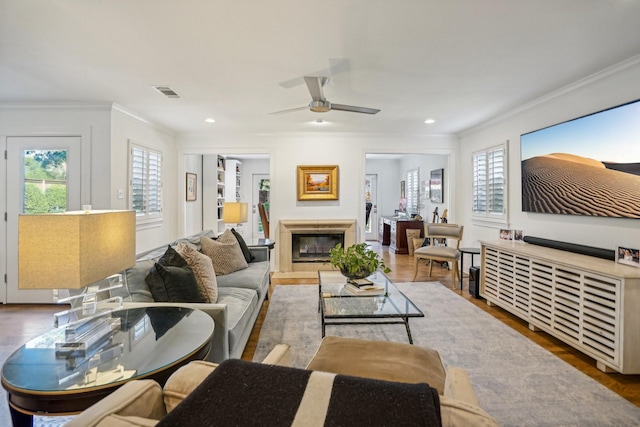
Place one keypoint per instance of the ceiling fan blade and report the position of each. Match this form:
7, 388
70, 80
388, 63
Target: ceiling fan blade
315, 87
291, 110
354, 109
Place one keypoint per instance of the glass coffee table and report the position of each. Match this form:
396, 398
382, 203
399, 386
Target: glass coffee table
339, 306
150, 343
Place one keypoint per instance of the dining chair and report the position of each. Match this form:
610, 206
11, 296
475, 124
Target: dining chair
264, 218
438, 250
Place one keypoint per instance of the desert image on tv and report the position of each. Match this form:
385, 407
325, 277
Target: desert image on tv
562, 183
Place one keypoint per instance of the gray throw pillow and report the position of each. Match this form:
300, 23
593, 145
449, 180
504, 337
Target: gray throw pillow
248, 256
173, 284
225, 253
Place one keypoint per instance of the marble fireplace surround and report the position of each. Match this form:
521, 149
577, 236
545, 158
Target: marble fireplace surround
300, 226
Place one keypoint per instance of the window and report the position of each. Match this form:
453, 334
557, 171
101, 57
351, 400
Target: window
146, 183
412, 192
489, 184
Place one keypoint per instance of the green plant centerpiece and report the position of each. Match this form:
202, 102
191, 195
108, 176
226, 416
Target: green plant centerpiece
356, 261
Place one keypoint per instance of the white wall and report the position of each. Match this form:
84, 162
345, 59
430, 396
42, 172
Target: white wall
611, 87
90, 122
347, 151
193, 209
389, 177
124, 128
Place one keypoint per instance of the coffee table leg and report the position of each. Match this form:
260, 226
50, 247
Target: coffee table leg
406, 325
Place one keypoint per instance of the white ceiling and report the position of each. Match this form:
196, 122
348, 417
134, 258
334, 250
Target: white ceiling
460, 62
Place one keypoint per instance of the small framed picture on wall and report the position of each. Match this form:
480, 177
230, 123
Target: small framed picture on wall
192, 187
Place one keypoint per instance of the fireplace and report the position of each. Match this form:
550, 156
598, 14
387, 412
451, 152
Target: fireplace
314, 247
304, 245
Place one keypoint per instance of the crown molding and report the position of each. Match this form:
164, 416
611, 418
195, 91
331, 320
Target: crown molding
590, 79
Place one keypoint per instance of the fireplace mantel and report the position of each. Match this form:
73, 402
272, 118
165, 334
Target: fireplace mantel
296, 226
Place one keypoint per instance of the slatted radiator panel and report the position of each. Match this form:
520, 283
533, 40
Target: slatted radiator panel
578, 307
601, 316
506, 278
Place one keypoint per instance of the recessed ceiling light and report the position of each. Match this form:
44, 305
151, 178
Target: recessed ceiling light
430, 121
209, 120
319, 122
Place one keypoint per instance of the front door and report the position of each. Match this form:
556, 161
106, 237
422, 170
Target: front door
43, 176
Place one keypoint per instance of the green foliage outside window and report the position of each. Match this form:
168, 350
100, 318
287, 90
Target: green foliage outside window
45, 187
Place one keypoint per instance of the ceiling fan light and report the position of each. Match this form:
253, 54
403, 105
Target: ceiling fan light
320, 106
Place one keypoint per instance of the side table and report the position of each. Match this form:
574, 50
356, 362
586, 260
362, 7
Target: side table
152, 342
470, 251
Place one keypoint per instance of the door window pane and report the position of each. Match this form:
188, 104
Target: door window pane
45, 181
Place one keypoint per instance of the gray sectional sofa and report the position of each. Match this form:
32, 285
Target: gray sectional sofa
240, 296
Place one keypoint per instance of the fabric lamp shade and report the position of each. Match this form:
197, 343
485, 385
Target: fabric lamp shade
235, 212
72, 250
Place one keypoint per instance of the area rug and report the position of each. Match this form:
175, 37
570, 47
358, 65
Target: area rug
516, 381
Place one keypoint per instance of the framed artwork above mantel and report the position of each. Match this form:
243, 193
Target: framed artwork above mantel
318, 182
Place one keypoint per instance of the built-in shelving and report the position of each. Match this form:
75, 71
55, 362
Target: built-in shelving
221, 191
587, 302
232, 180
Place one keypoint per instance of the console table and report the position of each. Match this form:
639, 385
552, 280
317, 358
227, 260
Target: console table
587, 302
393, 232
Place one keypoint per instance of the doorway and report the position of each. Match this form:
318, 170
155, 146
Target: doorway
43, 176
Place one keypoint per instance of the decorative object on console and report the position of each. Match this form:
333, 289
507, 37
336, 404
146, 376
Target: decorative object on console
73, 250
628, 256
356, 261
318, 182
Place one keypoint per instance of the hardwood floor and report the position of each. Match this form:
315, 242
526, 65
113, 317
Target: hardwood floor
627, 386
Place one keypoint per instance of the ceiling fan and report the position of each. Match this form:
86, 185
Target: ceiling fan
320, 104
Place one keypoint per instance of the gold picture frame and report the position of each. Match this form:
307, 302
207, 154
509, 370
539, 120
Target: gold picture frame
192, 187
318, 182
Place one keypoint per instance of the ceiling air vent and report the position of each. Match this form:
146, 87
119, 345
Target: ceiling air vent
167, 91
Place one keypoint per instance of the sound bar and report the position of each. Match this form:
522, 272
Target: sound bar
608, 254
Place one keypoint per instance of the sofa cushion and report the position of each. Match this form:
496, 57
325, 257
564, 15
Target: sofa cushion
202, 267
255, 277
134, 287
173, 284
241, 305
225, 253
248, 256
194, 239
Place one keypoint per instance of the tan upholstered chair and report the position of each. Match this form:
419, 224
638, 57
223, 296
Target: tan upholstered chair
143, 403
437, 251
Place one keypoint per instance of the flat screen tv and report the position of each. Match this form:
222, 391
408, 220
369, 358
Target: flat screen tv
586, 166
